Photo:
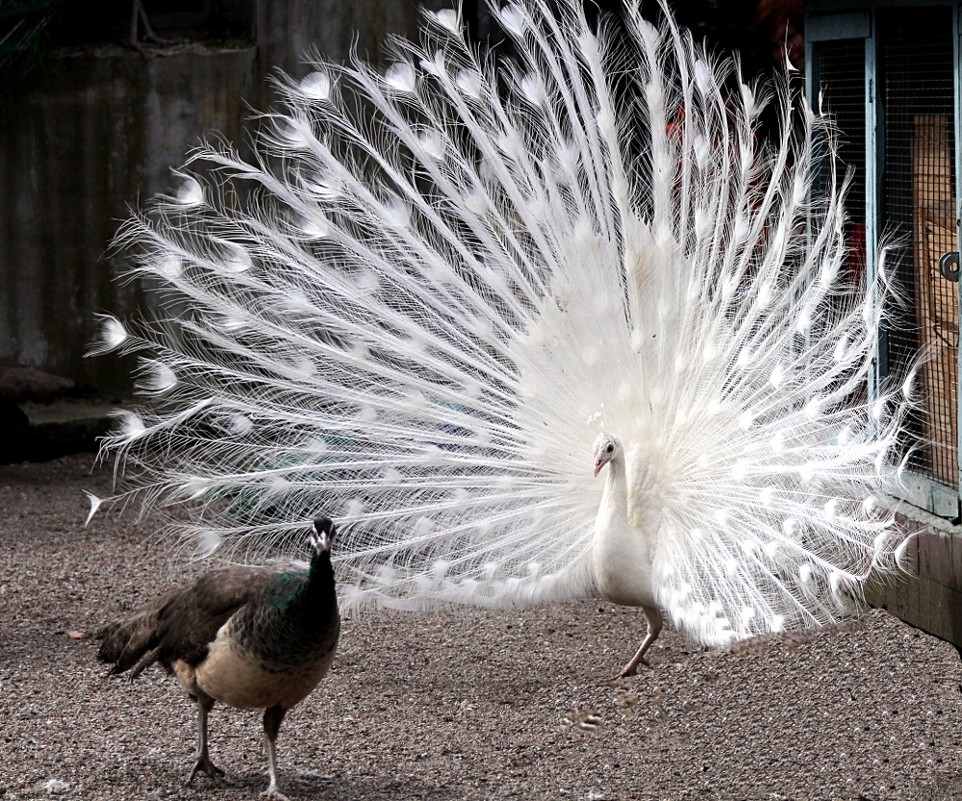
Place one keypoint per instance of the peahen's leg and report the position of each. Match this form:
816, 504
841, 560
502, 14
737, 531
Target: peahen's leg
203, 763
653, 616
273, 716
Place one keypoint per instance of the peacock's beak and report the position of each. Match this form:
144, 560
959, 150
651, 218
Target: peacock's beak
599, 463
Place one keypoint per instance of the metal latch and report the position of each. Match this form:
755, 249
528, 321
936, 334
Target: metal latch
949, 265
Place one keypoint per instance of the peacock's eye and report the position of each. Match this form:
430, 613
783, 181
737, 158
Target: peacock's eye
610, 448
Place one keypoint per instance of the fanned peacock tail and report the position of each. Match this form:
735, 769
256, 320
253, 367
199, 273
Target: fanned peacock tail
420, 301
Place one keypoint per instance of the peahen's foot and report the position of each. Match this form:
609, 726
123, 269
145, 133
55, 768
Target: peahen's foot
203, 764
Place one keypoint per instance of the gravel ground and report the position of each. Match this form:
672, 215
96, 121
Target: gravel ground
468, 704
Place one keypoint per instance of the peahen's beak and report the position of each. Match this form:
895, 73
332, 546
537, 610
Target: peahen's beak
322, 534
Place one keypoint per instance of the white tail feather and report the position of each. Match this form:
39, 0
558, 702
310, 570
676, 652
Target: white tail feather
410, 320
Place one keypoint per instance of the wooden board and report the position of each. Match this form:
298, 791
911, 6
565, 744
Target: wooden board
936, 298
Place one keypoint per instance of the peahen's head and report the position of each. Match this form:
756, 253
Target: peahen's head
322, 535
606, 448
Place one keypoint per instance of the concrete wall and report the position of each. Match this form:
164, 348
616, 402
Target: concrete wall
95, 130
91, 134
931, 597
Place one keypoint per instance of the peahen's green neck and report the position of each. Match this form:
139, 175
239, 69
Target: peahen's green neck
311, 590
295, 617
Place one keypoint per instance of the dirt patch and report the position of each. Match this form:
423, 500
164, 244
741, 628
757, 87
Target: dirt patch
470, 704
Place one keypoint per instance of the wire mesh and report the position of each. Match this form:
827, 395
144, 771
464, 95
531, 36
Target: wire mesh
841, 94
918, 205
840, 71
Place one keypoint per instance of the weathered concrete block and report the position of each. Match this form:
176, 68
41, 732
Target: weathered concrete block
935, 554
929, 596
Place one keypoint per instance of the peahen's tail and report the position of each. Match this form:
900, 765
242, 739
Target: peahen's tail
418, 304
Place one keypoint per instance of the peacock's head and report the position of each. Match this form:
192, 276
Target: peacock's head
606, 448
322, 534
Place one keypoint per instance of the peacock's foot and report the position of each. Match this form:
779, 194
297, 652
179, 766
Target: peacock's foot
631, 669
273, 794
204, 765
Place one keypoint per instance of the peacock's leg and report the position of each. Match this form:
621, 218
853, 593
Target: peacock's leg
273, 716
653, 616
203, 763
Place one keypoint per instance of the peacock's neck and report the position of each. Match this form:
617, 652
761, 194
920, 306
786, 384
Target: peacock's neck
621, 553
614, 499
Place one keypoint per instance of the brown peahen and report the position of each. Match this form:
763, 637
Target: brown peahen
250, 637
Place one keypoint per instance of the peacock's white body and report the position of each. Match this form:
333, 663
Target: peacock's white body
416, 308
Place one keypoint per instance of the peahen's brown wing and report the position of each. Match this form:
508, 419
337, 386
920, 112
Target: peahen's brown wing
191, 620
181, 623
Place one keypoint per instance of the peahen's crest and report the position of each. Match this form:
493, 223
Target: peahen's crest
411, 307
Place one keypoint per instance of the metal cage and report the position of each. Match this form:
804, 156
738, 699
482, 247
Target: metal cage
888, 75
